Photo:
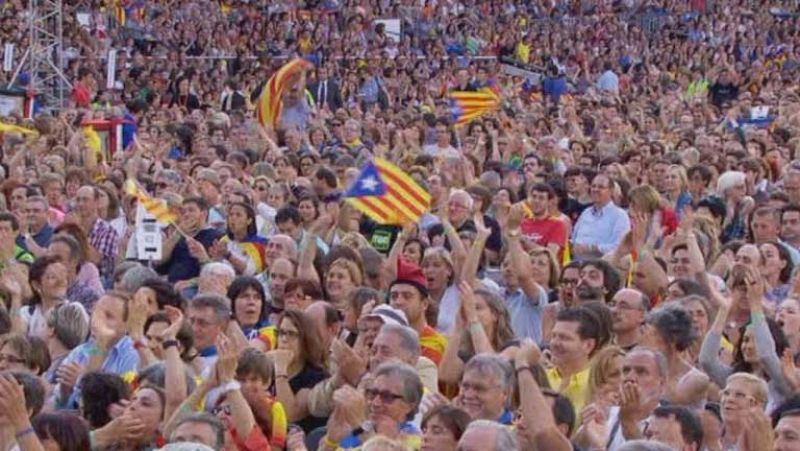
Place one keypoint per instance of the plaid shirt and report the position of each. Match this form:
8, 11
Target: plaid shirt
104, 239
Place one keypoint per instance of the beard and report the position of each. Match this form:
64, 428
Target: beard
586, 293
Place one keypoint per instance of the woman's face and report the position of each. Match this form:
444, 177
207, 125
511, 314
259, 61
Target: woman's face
437, 437
238, 220
146, 406
53, 284
749, 346
486, 316
154, 339
10, 360
437, 272
412, 252
275, 197
672, 181
247, 306
541, 269
737, 398
501, 199
772, 263
146, 296
338, 283
737, 191
289, 337
307, 211
788, 317
102, 202
699, 317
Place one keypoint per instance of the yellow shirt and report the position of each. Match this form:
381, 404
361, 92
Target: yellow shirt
523, 52
577, 390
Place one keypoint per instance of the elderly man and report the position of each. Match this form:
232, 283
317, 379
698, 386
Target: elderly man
485, 388
215, 278
601, 227
208, 314
203, 428
485, 435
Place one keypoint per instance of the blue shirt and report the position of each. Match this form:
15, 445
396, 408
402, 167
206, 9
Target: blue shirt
603, 227
122, 358
526, 314
608, 82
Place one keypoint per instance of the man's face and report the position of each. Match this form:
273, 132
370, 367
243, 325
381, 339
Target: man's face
591, 284
666, 431
408, 299
600, 190
53, 192
163, 185
192, 216
577, 184
385, 399
790, 226
567, 346
442, 136
18, 197
765, 228
195, 433
86, 202
791, 184
627, 313
481, 395
787, 434
539, 202
280, 271
385, 348
641, 368
205, 326
658, 175
290, 228
35, 214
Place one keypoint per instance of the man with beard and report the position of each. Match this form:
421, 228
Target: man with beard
598, 281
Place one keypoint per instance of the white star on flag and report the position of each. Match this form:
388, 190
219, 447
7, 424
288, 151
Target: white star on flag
369, 184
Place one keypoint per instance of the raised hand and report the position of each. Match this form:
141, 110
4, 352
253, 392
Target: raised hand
227, 361
12, 402
175, 316
68, 374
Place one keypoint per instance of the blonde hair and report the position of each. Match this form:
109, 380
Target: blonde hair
681, 175
381, 443
645, 197
351, 267
758, 385
601, 367
552, 280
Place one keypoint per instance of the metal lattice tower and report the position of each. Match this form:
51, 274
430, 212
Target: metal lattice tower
44, 57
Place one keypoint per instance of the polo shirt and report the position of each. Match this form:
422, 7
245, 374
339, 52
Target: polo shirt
577, 390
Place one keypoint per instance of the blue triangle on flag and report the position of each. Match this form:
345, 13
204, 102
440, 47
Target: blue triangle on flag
368, 183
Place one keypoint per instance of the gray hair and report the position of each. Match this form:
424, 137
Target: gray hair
169, 174
505, 440
205, 418
412, 385
134, 278
70, 324
409, 339
661, 361
218, 268
728, 180
644, 445
41, 199
493, 365
220, 304
156, 375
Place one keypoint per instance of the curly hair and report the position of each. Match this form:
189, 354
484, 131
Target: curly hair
674, 325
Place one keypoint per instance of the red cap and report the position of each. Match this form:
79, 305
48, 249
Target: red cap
410, 273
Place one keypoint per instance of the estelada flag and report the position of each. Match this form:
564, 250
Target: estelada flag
270, 102
387, 194
468, 105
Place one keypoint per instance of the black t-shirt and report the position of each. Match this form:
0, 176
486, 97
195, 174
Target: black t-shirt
308, 378
721, 93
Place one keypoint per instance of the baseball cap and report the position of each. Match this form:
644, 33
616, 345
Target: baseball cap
389, 315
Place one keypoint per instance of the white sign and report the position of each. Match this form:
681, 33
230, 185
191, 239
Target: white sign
111, 68
8, 58
148, 235
392, 28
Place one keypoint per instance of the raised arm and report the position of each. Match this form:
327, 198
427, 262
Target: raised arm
175, 377
521, 264
469, 271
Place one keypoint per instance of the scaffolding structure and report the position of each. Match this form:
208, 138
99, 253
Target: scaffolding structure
44, 57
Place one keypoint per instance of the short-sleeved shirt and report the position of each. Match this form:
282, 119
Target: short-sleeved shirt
308, 378
181, 265
526, 314
577, 390
545, 231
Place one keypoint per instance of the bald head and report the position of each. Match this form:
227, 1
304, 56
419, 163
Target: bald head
326, 320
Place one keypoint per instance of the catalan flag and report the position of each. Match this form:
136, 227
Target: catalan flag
466, 106
155, 207
270, 103
120, 14
387, 194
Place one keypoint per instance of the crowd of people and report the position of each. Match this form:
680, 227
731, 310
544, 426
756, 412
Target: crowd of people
610, 260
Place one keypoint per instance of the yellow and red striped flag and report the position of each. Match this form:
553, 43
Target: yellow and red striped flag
270, 103
387, 194
11, 128
156, 207
466, 106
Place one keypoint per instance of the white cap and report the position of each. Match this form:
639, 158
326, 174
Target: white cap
389, 315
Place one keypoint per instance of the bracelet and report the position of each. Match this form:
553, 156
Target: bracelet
169, 343
329, 443
24, 432
138, 344
280, 376
522, 368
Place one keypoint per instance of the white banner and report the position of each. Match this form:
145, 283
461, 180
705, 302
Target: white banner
8, 58
111, 69
148, 235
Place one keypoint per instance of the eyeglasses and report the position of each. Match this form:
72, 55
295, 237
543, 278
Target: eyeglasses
200, 322
569, 282
286, 333
10, 359
385, 396
226, 409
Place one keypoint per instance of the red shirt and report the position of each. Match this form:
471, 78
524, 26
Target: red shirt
81, 95
545, 231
